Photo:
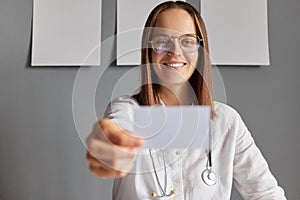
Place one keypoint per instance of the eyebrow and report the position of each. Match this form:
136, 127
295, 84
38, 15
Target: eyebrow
165, 34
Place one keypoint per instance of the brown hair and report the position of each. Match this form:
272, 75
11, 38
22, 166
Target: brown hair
201, 78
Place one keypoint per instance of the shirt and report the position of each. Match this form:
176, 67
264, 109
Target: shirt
235, 157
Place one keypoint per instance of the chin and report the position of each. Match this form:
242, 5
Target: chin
175, 81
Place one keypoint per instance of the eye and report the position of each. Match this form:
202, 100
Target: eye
188, 42
161, 42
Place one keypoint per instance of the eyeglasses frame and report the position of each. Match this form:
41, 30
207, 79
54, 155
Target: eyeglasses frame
174, 37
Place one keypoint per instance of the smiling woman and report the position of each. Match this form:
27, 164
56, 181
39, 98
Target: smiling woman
176, 62
176, 71
174, 20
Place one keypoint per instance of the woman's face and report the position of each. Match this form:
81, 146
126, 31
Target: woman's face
176, 65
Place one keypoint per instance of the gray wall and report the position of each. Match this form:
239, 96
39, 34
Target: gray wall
41, 155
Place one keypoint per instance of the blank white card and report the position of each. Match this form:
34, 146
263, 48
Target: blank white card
173, 127
66, 32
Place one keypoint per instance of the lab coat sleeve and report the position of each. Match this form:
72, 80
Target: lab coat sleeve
251, 174
120, 111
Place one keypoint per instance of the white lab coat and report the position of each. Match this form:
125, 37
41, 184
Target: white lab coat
236, 159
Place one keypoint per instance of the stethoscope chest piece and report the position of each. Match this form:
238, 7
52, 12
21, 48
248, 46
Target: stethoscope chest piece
209, 177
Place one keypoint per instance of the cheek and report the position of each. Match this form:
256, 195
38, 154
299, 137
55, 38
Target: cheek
195, 62
192, 59
155, 57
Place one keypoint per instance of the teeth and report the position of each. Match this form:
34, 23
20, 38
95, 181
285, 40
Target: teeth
175, 65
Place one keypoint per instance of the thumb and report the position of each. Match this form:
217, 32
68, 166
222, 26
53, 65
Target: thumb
119, 136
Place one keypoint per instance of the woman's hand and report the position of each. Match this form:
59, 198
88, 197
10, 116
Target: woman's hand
111, 150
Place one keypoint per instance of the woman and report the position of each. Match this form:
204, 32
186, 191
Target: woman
177, 72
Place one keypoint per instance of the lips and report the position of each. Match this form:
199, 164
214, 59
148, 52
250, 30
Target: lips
175, 65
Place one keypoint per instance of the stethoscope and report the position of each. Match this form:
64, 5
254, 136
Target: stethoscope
209, 177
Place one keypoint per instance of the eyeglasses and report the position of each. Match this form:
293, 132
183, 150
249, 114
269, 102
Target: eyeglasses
189, 43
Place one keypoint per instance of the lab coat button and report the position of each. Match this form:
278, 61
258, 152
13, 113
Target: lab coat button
177, 153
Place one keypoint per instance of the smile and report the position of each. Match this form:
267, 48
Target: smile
175, 66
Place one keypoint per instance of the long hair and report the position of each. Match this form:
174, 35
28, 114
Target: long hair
201, 79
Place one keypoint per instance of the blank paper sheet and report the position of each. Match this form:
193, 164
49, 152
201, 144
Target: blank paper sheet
237, 31
66, 32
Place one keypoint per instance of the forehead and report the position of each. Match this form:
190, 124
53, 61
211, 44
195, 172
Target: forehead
174, 21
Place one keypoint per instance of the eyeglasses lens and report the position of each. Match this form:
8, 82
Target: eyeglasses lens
164, 43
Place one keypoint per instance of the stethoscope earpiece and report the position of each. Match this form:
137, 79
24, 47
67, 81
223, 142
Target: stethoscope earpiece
209, 177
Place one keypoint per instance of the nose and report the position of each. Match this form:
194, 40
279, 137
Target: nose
176, 49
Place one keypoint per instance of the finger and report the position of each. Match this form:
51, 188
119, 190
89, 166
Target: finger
118, 135
102, 168
104, 173
96, 163
124, 164
104, 151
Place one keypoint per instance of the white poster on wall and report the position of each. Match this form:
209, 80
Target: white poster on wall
237, 31
131, 18
66, 32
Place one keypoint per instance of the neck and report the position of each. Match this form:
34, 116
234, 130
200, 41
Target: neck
180, 94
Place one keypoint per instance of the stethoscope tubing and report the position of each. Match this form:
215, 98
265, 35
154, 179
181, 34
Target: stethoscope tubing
208, 175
